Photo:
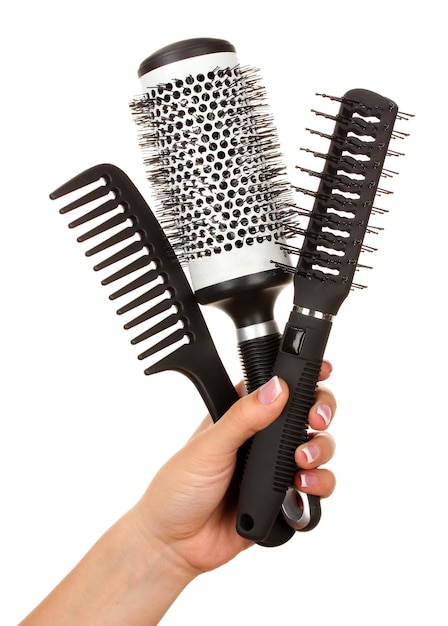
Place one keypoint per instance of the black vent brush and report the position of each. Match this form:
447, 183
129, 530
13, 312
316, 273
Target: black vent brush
323, 278
212, 157
123, 226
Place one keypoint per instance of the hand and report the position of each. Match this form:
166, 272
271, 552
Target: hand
185, 522
187, 505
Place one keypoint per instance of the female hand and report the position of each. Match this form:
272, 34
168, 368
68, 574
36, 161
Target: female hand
185, 522
187, 505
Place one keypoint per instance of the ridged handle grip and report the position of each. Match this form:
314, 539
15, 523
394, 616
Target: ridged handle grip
257, 357
270, 466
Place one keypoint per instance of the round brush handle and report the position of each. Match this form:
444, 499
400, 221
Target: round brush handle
257, 358
270, 466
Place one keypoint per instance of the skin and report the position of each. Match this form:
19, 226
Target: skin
184, 525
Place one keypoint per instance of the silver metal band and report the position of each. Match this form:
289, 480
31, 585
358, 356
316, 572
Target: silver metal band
246, 333
298, 517
317, 314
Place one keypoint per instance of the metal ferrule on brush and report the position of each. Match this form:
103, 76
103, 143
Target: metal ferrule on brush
312, 313
212, 156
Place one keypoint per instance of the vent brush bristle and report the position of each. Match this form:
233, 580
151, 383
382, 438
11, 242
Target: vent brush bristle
166, 317
323, 277
212, 158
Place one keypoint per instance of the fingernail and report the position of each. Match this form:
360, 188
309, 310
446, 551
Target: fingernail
311, 452
270, 391
325, 412
307, 479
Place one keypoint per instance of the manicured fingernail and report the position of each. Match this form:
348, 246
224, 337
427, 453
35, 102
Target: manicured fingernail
311, 452
307, 479
270, 391
325, 412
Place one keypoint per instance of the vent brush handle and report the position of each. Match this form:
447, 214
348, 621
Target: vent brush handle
272, 451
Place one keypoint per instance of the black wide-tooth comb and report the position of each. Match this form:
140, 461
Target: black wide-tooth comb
323, 278
155, 273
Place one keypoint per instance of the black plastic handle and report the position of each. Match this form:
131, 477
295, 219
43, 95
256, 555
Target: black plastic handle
258, 357
270, 466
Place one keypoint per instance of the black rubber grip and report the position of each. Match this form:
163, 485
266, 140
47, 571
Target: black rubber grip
270, 466
257, 358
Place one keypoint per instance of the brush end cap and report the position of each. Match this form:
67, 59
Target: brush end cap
182, 50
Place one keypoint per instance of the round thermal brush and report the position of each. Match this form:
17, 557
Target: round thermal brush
212, 157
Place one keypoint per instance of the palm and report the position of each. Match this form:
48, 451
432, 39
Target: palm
197, 517
188, 504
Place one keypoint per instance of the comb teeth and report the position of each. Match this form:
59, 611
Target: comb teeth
344, 199
177, 338
130, 251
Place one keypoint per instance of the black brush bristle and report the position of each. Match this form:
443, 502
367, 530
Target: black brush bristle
344, 199
215, 167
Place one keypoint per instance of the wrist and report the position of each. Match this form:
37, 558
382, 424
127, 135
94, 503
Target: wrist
155, 573
127, 578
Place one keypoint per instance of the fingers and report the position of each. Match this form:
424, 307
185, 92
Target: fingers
320, 447
318, 450
247, 416
325, 370
320, 482
320, 417
254, 412
206, 422
241, 389
323, 410
309, 456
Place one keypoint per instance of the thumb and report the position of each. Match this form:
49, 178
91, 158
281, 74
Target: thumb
247, 416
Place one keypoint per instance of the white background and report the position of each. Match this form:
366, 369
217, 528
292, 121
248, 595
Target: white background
83, 430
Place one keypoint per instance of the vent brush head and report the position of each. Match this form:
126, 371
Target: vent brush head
150, 283
344, 200
212, 158
323, 277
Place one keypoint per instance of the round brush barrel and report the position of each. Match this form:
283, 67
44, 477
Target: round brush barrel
213, 159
